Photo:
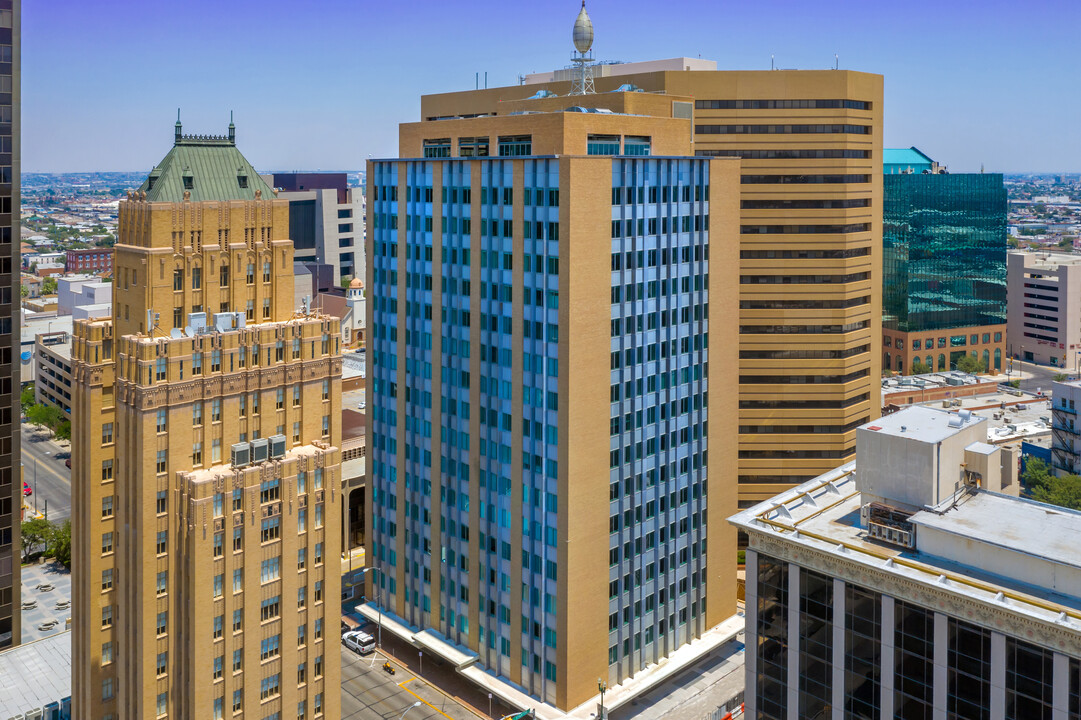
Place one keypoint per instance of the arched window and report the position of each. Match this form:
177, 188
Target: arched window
942, 363
998, 358
887, 361
987, 359
930, 363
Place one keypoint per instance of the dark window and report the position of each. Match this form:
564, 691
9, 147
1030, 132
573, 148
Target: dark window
1029, 673
787, 155
802, 179
969, 671
816, 644
863, 650
914, 662
772, 637
781, 105
781, 129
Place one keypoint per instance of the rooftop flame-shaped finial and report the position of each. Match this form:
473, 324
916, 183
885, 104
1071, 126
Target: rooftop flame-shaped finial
583, 31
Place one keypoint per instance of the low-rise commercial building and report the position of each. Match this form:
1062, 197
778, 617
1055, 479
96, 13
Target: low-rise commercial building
83, 291
1065, 428
90, 260
1044, 313
913, 583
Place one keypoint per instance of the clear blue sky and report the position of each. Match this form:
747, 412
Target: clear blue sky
324, 83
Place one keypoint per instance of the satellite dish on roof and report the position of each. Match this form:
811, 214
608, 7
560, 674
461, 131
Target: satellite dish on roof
189, 331
176, 333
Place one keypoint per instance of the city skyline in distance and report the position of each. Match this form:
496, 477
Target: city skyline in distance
974, 87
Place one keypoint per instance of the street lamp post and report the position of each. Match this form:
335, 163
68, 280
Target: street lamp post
489, 705
602, 686
414, 705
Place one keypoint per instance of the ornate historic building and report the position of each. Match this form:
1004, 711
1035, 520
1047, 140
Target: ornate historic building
206, 462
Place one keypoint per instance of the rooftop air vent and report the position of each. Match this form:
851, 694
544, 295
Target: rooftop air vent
240, 455
259, 450
277, 446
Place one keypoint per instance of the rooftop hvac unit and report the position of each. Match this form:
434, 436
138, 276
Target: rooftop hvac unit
259, 450
240, 455
226, 321
197, 321
277, 446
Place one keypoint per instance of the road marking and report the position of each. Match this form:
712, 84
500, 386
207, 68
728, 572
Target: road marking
418, 697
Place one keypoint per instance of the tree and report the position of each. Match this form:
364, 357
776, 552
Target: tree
48, 416
1059, 377
34, 532
971, 364
24, 291
59, 543
63, 431
1042, 486
1013, 242
48, 286
27, 398
919, 368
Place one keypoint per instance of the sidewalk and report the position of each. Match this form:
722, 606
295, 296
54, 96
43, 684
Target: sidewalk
442, 678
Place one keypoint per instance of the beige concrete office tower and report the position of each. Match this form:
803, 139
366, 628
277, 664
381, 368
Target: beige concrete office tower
810, 245
552, 432
206, 463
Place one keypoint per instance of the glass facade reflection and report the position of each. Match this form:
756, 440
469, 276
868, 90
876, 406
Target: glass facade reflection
944, 251
772, 634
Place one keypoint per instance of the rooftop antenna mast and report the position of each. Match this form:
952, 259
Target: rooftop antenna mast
583, 58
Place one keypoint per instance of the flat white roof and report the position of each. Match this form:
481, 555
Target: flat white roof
1043, 531
919, 422
35, 674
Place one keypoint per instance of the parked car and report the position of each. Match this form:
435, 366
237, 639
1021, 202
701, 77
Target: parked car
359, 642
26, 489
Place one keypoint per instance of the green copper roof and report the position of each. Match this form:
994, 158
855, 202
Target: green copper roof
208, 166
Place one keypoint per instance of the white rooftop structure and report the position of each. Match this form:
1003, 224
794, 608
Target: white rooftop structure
630, 68
35, 674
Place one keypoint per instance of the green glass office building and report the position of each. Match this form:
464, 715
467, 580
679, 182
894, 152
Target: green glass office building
944, 285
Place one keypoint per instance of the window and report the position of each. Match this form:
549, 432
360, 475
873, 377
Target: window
318, 591
319, 553
107, 438
163, 703
107, 616
302, 558
215, 410
279, 396
163, 582
318, 478
196, 363
238, 700
106, 653
197, 413
107, 506
223, 271
266, 307
238, 538
219, 579
270, 570
238, 659
215, 451
162, 662
302, 520
319, 628
159, 367
271, 529
251, 274
238, 580
318, 703
318, 666
106, 470
319, 515
218, 625
266, 271
296, 434
106, 543
218, 703
162, 543
238, 620
196, 273
197, 453
302, 597
161, 461
269, 490
302, 673
215, 359
270, 608
162, 622
326, 389
107, 692
107, 579
270, 647
269, 687
302, 635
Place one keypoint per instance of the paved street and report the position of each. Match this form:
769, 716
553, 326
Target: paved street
43, 467
370, 693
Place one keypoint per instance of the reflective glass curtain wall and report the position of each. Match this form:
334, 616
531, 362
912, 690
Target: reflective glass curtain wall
944, 248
